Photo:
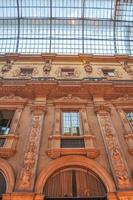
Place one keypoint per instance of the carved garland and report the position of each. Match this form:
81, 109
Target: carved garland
117, 161
26, 177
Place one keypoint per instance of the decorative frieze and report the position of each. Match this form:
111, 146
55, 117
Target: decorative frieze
116, 158
26, 177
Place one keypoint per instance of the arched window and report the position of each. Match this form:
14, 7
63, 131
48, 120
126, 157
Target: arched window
2, 184
74, 182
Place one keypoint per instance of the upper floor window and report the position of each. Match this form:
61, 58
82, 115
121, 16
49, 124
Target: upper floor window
26, 71
67, 72
6, 117
71, 123
108, 72
129, 116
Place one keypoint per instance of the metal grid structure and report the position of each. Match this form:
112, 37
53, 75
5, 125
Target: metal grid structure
66, 26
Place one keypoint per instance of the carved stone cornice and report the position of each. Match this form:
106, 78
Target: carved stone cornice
13, 100
69, 100
123, 100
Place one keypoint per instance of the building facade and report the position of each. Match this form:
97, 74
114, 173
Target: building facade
66, 127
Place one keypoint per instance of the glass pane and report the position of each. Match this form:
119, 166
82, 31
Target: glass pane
66, 27
71, 123
130, 118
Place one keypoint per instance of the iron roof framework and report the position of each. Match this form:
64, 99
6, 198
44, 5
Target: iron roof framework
66, 26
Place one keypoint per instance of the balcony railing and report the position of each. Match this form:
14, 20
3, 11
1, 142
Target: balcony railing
72, 143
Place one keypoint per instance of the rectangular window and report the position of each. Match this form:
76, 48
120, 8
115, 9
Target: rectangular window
108, 72
67, 72
71, 124
6, 117
26, 71
129, 116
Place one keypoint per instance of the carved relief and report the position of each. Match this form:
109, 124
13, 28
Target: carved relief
70, 99
124, 98
47, 67
26, 177
17, 72
127, 68
118, 163
7, 67
88, 67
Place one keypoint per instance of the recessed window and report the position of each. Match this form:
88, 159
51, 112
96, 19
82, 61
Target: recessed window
109, 72
26, 71
6, 117
71, 123
129, 116
67, 72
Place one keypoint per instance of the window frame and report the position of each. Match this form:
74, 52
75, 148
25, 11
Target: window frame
104, 71
62, 123
28, 69
11, 122
67, 72
125, 112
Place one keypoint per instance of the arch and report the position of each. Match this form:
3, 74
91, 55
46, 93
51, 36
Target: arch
7, 171
80, 161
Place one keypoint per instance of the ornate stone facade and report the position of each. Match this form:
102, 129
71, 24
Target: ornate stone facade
33, 149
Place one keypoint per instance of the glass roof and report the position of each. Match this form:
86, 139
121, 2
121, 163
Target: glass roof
66, 26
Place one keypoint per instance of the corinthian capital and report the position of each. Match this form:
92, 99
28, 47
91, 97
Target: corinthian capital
102, 108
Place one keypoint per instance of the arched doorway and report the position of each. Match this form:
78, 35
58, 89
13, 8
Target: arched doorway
2, 184
74, 183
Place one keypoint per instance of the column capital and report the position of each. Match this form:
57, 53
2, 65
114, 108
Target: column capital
102, 108
38, 108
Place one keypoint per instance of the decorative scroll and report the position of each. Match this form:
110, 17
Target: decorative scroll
27, 174
117, 161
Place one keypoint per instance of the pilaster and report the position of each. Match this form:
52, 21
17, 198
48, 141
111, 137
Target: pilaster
26, 177
116, 158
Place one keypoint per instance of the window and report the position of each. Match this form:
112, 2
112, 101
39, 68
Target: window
108, 72
67, 72
5, 121
71, 124
26, 71
129, 116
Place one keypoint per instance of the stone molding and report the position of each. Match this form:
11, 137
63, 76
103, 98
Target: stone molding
69, 100
8, 174
9, 147
55, 151
12, 101
10, 144
77, 161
